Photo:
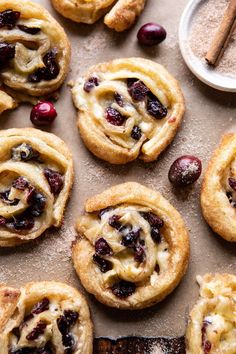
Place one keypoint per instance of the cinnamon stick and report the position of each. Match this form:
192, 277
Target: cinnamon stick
223, 35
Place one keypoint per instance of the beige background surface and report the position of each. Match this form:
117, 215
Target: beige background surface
209, 114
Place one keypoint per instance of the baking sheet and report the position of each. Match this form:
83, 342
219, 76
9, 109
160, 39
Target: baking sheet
209, 114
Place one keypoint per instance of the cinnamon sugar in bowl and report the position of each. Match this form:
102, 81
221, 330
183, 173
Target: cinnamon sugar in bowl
198, 26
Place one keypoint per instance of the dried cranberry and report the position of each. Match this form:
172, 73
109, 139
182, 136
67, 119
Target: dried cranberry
231, 200
55, 180
46, 350
114, 222
129, 240
130, 81
151, 34
206, 345
232, 183
49, 72
114, 117
136, 132
138, 91
68, 342
37, 331
103, 211
3, 221
123, 289
20, 183
29, 30
24, 152
21, 223
155, 233
5, 195
185, 170
155, 108
7, 52
102, 263
152, 219
41, 306
90, 84
102, 248
43, 113
38, 203
71, 317
139, 254
9, 18
25, 350
119, 100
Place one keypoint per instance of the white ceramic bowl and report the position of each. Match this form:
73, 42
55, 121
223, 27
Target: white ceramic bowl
203, 71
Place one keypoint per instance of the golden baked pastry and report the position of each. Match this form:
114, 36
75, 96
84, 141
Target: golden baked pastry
34, 50
121, 14
128, 108
44, 318
218, 195
133, 247
36, 175
212, 323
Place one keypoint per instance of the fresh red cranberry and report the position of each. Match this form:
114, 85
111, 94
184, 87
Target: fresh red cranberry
232, 183
102, 248
7, 52
29, 30
55, 180
102, 263
185, 170
151, 34
37, 331
20, 183
114, 117
136, 132
123, 289
119, 100
41, 306
9, 18
155, 108
138, 90
114, 222
90, 84
43, 113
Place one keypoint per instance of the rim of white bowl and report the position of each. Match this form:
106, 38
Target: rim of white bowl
203, 72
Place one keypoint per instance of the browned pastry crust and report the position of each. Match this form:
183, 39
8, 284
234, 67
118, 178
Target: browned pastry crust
44, 305
115, 143
212, 321
27, 60
28, 153
165, 260
218, 198
121, 14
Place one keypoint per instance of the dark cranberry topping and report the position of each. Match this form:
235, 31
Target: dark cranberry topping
232, 183
29, 30
5, 195
90, 84
130, 81
43, 113
129, 240
155, 233
114, 117
155, 108
37, 331
24, 152
38, 203
102, 263
103, 211
20, 183
136, 132
49, 72
185, 170
114, 222
64, 323
151, 34
119, 100
41, 306
102, 248
3, 221
55, 180
21, 223
138, 90
9, 18
153, 219
123, 289
7, 52
139, 254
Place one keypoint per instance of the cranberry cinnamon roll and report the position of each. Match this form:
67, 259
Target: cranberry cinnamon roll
128, 108
212, 323
133, 247
121, 14
34, 51
44, 318
218, 196
36, 175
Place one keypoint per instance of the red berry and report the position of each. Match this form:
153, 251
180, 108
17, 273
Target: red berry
43, 113
185, 170
151, 34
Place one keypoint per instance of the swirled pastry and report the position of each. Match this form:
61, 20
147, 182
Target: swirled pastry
128, 108
44, 318
36, 175
212, 323
218, 196
34, 50
121, 16
133, 247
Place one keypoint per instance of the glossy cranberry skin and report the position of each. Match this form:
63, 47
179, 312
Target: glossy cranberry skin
185, 171
43, 113
151, 34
